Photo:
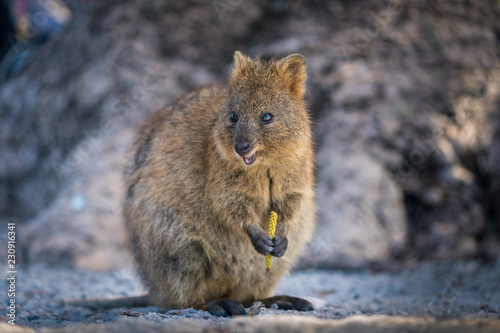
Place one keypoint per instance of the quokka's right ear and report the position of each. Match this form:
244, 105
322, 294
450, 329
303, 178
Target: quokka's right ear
240, 65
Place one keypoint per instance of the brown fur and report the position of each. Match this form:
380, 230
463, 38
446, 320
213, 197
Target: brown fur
192, 206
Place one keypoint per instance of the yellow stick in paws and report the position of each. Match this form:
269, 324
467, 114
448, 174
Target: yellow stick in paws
271, 230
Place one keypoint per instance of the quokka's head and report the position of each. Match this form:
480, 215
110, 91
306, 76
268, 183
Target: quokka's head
264, 117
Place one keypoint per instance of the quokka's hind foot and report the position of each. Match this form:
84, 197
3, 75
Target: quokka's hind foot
222, 308
288, 303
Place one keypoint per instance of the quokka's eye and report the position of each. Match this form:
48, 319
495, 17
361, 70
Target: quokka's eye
267, 117
233, 117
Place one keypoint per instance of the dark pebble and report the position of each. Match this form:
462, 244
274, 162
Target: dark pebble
34, 317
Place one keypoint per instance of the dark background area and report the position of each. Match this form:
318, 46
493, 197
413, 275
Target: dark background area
404, 96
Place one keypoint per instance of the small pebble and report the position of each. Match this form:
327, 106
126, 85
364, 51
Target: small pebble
33, 317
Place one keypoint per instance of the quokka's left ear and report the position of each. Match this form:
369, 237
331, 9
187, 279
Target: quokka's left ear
293, 71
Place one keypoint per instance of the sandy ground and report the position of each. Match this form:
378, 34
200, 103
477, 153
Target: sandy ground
432, 290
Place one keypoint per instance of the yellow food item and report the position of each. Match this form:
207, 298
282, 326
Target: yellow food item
271, 230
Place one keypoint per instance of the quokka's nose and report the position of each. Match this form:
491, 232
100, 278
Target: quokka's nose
242, 148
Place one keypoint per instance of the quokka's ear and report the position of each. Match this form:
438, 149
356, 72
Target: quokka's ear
240, 65
293, 71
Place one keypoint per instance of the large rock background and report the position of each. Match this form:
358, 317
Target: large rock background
404, 95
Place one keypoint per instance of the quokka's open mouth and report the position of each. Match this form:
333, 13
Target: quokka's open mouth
250, 159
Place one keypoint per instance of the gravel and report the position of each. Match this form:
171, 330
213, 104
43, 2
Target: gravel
438, 290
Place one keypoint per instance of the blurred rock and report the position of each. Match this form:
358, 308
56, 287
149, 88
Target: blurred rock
404, 98
360, 208
83, 225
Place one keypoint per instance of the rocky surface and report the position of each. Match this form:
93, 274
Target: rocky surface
432, 291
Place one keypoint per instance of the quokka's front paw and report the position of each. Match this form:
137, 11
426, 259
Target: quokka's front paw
262, 243
280, 244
